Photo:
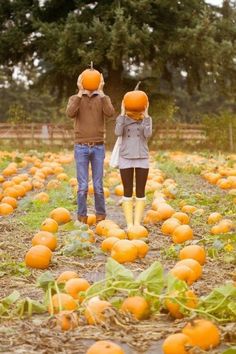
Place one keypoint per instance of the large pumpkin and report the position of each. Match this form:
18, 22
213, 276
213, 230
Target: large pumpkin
135, 101
91, 79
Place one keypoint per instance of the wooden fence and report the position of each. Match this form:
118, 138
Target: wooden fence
36, 134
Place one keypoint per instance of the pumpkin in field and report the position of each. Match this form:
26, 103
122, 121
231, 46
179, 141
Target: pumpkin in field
136, 232
182, 233
183, 272
42, 197
62, 302
45, 238
94, 312
60, 215
11, 201
108, 243
116, 232
202, 333
5, 209
137, 306
182, 217
119, 190
142, 247
189, 209
175, 344
124, 251
75, 285
105, 347
213, 218
169, 226
67, 275
67, 320
20, 190
174, 308
90, 79
91, 219
223, 227
103, 227
193, 264
194, 252
10, 192
49, 225
135, 101
151, 217
38, 256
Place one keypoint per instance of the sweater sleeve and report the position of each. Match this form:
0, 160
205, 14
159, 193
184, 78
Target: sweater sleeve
107, 106
120, 123
73, 106
147, 125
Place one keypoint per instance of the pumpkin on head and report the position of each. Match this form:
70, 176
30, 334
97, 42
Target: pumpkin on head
135, 102
91, 79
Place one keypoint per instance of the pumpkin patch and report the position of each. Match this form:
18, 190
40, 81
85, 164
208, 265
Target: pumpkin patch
86, 278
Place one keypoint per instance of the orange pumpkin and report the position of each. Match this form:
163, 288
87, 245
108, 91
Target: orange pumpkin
38, 257
49, 225
45, 238
135, 101
5, 209
90, 79
60, 215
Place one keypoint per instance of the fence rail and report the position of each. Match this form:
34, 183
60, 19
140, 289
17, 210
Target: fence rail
35, 134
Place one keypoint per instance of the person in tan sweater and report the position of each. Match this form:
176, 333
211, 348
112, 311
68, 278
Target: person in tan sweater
89, 111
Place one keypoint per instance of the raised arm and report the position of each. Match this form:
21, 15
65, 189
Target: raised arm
147, 126
107, 106
120, 123
73, 106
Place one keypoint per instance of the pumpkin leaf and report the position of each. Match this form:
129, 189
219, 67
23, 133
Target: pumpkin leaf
152, 278
45, 281
94, 289
10, 299
175, 284
116, 271
29, 307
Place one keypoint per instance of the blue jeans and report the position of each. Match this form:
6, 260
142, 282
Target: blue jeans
83, 155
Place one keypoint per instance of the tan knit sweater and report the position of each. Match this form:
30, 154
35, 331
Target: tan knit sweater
89, 114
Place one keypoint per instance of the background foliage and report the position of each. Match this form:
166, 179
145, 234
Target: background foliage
183, 51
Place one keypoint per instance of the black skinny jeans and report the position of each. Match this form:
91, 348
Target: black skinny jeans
127, 177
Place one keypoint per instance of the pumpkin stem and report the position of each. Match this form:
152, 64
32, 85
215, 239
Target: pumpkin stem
137, 86
91, 65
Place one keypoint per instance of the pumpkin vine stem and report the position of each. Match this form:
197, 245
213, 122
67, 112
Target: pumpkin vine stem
137, 86
91, 65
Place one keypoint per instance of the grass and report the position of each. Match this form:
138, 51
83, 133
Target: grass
33, 212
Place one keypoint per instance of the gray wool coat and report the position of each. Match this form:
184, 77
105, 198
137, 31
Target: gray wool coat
135, 134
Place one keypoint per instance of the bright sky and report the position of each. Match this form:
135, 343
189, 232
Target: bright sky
214, 2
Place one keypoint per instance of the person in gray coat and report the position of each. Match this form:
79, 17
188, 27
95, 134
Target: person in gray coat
135, 128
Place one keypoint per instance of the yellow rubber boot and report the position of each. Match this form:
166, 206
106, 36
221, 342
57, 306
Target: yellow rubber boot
127, 204
139, 210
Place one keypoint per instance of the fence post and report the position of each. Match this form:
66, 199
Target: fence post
231, 139
32, 134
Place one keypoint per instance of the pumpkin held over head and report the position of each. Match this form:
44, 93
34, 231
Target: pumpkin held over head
135, 101
91, 79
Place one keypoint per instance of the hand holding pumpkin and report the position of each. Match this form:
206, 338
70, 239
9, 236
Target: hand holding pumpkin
146, 110
100, 87
80, 86
122, 111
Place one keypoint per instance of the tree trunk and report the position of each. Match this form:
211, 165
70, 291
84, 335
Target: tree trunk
113, 88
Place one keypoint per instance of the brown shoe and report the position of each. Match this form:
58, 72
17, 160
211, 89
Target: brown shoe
83, 219
100, 218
